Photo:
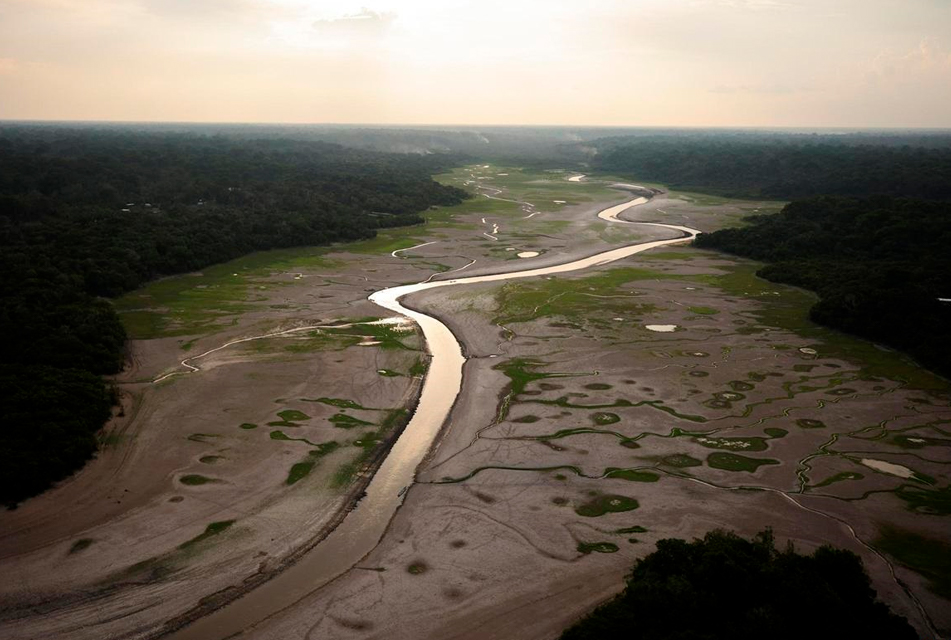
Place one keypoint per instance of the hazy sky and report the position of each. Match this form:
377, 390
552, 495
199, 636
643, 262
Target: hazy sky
599, 62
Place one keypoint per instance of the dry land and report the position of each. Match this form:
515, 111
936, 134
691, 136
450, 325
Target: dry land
264, 391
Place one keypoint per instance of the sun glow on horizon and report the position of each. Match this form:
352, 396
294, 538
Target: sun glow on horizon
678, 62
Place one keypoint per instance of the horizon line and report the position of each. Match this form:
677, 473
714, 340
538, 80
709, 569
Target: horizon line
57, 121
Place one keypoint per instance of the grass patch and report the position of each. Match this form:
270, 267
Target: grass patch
680, 461
280, 435
634, 529
573, 299
789, 310
930, 501
299, 471
597, 547
732, 444
603, 418
736, 462
603, 504
344, 421
526, 419
928, 557
247, 425
79, 545
340, 403
370, 443
194, 480
202, 437
389, 336
292, 415
838, 477
703, 311
210, 531
419, 368
632, 475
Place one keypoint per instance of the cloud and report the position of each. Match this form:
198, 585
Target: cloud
365, 19
927, 58
770, 89
746, 5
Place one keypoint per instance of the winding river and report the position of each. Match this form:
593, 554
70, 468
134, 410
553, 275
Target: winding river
363, 527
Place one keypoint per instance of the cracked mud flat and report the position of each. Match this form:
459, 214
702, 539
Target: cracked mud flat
487, 542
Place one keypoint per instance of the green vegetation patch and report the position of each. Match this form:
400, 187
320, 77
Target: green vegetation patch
633, 475
389, 336
529, 419
370, 443
574, 299
929, 557
344, 421
597, 547
930, 501
732, 444
293, 415
79, 545
340, 403
839, 477
680, 461
417, 568
299, 471
609, 503
603, 418
419, 368
736, 462
210, 459
202, 437
703, 311
919, 442
194, 480
247, 425
635, 529
211, 530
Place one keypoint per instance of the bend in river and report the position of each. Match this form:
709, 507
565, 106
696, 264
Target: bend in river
363, 527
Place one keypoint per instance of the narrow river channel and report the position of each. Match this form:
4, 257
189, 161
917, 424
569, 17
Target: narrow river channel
363, 527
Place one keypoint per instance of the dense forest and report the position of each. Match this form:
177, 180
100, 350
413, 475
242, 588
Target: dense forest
87, 214
880, 266
725, 587
786, 166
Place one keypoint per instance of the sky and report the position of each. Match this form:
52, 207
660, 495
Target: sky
767, 63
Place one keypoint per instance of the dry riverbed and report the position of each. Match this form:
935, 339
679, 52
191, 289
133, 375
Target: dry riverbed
580, 438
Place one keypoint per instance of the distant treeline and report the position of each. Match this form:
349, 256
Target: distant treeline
879, 265
87, 214
786, 166
726, 588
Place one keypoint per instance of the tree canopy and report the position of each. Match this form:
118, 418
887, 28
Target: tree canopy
785, 166
880, 266
724, 587
87, 214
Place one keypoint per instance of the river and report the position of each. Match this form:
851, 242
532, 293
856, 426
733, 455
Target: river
363, 527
